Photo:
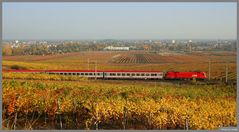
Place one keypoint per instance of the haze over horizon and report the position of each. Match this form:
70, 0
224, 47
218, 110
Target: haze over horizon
97, 21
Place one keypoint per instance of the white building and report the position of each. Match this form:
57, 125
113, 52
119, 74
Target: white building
116, 48
173, 41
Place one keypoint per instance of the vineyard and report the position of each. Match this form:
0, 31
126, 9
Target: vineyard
133, 58
141, 58
153, 58
63, 103
42, 101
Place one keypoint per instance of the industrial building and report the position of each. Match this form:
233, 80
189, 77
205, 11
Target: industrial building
116, 48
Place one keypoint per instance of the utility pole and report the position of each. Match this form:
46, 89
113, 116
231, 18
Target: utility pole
226, 72
209, 69
95, 68
88, 64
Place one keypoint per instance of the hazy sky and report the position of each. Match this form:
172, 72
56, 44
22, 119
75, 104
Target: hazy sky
119, 21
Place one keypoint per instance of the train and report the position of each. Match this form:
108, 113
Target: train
122, 74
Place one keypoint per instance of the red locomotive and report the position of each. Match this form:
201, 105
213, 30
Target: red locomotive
185, 75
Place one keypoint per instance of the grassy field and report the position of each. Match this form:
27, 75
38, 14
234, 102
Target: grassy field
41, 101
110, 61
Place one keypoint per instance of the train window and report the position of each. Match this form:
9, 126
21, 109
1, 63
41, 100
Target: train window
98, 74
74, 73
152, 74
123, 74
113, 74
90, 74
137, 74
86, 73
128, 74
133, 74
65, 73
142, 74
118, 74
147, 74
82, 73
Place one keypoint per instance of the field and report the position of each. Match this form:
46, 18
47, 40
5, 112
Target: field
41, 101
132, 60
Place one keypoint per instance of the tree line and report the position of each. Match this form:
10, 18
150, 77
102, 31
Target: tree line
47, 49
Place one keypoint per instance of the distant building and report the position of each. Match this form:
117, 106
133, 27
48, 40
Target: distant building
189, 46
15, 45
173, 41
116, 48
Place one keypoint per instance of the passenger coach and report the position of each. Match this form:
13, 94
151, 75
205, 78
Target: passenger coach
120, 74
82, 73
133, 74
